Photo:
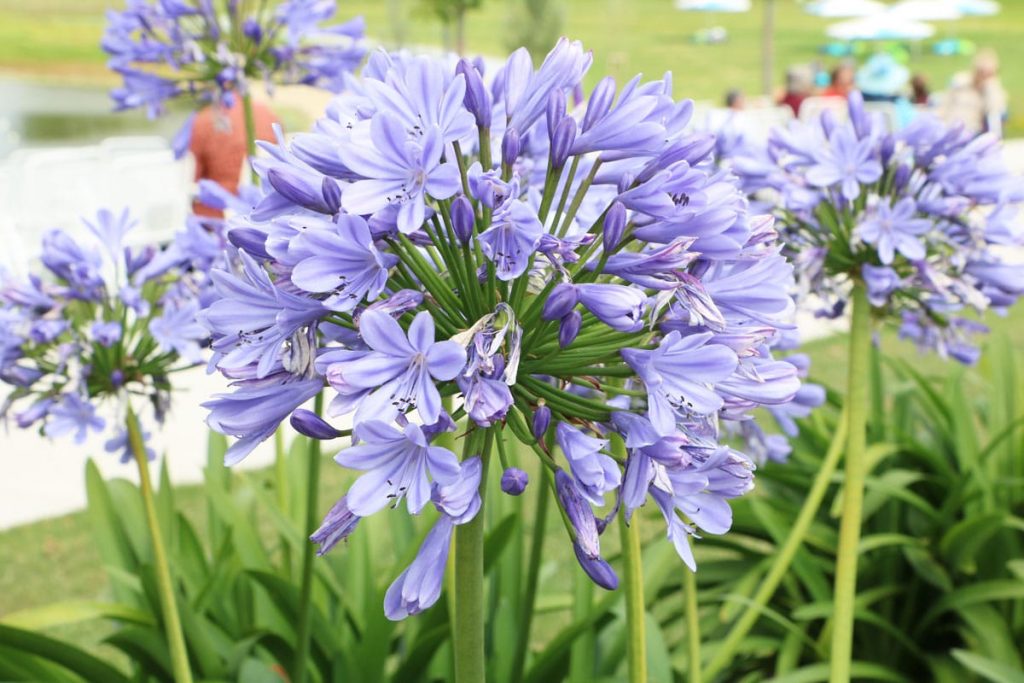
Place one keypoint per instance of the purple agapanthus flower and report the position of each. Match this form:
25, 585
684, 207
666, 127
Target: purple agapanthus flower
595, 472
680, 376
400, 369
398, 171
895, 228
846, 162
73, 414
471, 250
398, 464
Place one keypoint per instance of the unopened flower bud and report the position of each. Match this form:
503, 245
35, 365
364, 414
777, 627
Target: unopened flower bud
569, 328
462, 219
555, 111
599, 571
310, 424
563, 299
514, 481
510, 147
541, 421
332, 195
600, 102
561, 141
250, 240
581, 517
614, 226
477, 99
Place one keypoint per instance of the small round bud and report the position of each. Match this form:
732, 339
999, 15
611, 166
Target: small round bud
462, 219
541, 421
514, 481
563, 299
561, 142
614, 226
569, 328
510, 147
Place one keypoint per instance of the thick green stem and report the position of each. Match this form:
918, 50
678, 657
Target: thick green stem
857, 393
692, 624
303, 630
532, 577
583, 652
250, 135
780, 566
168, 605
633, 576
468, 636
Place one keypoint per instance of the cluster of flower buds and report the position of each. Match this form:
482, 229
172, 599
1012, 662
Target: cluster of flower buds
501, 253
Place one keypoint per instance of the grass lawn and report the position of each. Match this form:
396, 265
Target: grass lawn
58, 40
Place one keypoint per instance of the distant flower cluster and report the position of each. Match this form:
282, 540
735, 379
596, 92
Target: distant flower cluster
441, 248
919, 216
211, 50
104, 323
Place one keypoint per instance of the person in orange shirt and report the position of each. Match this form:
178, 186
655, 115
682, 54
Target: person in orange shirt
842, 81
219, 145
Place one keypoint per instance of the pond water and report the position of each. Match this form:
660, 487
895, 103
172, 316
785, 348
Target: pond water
34, 115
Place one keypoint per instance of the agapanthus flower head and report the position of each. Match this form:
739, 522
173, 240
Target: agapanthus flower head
507, 266
212, 50
917, 215
102, 323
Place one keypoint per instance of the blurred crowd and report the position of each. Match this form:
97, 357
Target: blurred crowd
974, 97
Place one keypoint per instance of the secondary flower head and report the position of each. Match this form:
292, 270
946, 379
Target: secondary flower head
95, 328
211, 50
510, 267
918, 215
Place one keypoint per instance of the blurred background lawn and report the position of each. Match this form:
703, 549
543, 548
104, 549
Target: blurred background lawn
58, 40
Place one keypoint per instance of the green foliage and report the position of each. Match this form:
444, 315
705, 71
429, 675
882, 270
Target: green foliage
537, 25
940, 589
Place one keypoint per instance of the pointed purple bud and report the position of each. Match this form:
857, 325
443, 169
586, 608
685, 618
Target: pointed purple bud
462, 219
600, 102
541, 421
580, 515
555, 111
599, 571
561, 142
332, 195
563, 298
901, 177
887, 148
477, 99
510, 147
251, 29
614, 226
338, 525
117, 379
298, 188
250, 240
308, 423
514, 481
569, 328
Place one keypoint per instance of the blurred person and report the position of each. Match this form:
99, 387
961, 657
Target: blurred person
977, 98
990, 89
919, 92
219, 145
842, 83
799, 84
881, 78
735, 100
